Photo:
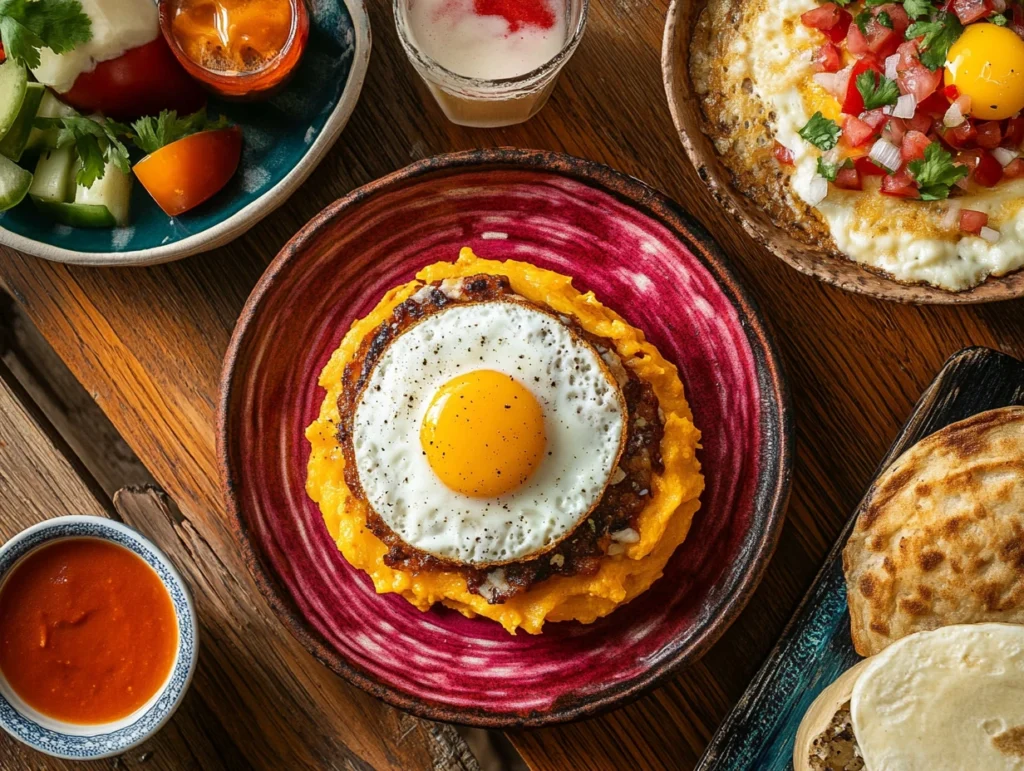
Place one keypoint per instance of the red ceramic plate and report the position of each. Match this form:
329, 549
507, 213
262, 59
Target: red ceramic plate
644, 259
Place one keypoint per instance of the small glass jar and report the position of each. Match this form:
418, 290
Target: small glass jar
257, 83
482, 103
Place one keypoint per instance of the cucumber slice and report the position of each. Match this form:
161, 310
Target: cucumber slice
53, 178
14, 142
113, 191
14, 183
13, 85
77, 215
49, 107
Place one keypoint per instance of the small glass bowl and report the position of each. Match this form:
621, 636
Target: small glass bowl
482, 103
244, 85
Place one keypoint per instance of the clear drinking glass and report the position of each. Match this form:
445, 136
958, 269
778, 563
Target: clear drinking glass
485, 103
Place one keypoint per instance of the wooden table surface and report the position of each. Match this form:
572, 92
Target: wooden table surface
147, 343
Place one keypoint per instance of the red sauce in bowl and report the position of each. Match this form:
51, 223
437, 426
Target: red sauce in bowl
238, 48
88, 633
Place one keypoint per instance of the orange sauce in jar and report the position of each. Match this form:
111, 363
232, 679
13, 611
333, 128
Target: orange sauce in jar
237, 47
88, 633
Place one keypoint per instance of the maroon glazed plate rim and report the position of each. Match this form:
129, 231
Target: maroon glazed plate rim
771, 494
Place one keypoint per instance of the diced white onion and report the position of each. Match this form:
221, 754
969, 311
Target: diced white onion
990, 234
890, 66
905, 107
953, 117
886, 154
817, 190
832, 156
1005, 155
827, 80
951, 219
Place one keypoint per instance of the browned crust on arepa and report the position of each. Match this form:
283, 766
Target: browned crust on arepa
940, 537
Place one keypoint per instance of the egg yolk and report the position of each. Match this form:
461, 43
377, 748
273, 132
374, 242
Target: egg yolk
987, 64
483, 433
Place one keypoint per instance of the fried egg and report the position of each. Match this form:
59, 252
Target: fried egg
987, 64
487, 432
752, 65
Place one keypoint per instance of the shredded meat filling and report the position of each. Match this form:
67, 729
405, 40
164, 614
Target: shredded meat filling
609, 528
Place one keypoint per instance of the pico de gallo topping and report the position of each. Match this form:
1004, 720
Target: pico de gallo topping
930, 97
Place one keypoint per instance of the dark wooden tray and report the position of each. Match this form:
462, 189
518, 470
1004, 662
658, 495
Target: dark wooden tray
816, 646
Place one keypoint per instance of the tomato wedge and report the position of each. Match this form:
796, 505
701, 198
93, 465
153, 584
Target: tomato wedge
141, 81
185, 173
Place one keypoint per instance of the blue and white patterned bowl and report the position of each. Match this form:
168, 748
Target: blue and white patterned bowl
86, 742
284, 138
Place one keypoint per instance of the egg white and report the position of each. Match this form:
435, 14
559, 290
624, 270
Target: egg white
584, 422
902, 238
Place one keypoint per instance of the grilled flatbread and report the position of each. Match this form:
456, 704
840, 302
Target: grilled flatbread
940, 538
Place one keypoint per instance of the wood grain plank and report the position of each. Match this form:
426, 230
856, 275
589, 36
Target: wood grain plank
148, 344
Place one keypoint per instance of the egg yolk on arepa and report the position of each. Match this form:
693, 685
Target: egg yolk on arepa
663, 524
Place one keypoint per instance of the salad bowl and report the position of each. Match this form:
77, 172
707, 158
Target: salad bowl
283, 140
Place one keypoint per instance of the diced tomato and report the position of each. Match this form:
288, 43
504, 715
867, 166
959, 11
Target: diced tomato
908, 55
827, 58
898, 16
894, 130
989, 171
868, 168
971, 10
853, 104
990, 134
920, 122
972, 221
3, 56
856, 41
856, 132
900, 184
970, 159
837, 34
934, 106
848, 179
914, 143
951, 92
1013, 135
874, 118
783, 154
1014, 169
918, 80
960, 136
882, 41
1018, 20
823, 17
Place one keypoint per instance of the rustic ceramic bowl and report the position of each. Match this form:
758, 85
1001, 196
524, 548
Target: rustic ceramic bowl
686, 113
89, 742
283, 140
642, 257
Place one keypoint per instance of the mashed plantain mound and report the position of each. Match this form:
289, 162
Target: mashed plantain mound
663, 523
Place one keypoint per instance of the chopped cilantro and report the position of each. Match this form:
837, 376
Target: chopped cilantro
877, 90
884, 19
917, 8
998, 19
842, 3
95, 143
26, 26
821, 132
876, 3
862, 19
831, 170
937, 173
151, 133
939, 34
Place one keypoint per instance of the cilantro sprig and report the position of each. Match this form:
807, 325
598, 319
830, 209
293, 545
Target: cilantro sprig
151, 133
96, 144
830, 170
821, 132
938, 33
918, 8
936, 173
27, 26
876, 89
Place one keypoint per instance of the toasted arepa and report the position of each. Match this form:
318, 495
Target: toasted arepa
940, 537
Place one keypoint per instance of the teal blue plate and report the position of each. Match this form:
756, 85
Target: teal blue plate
284, 139
816, 647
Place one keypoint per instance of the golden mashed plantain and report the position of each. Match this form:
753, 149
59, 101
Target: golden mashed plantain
663, 524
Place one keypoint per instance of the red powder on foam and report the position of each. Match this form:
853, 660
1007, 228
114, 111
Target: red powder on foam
518, 13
